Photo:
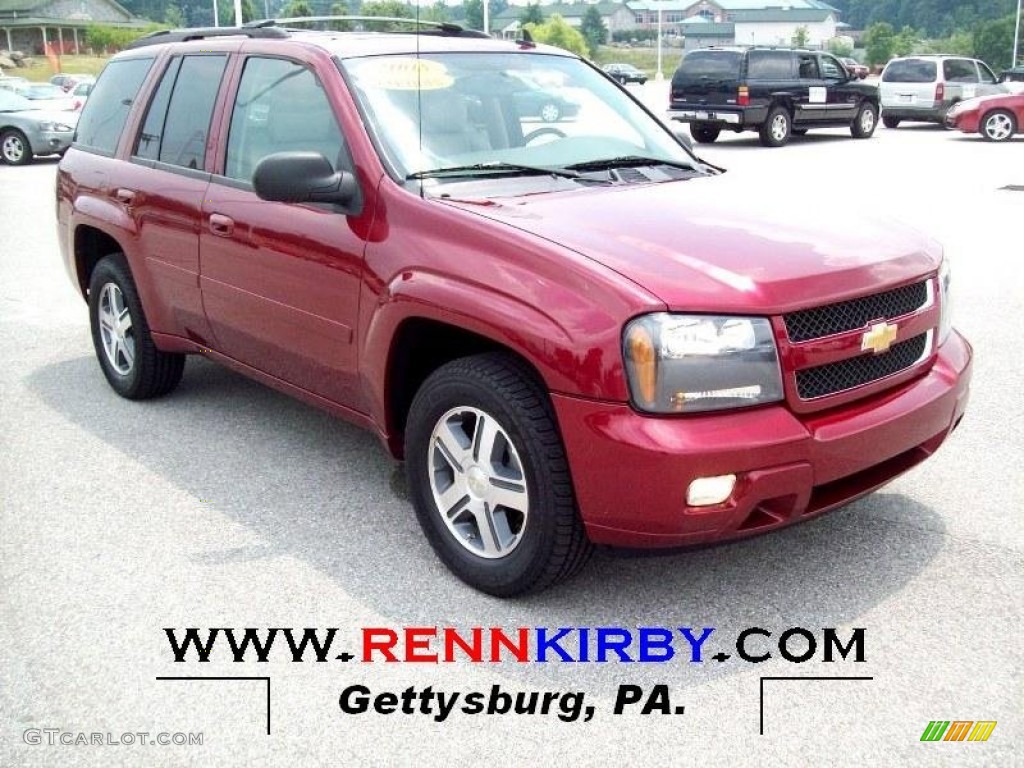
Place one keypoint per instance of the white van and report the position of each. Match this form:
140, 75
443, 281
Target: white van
924, 87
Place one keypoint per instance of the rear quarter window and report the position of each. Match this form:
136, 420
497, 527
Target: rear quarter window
910, 71
770, 65
110, 101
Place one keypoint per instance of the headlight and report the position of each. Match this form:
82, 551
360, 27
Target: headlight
945, 302
51, 127
690, 363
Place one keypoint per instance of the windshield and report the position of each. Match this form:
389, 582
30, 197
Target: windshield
12, 102
43, 92
909, 71
452, 110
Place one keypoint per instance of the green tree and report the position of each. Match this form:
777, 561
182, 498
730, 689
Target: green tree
878, 40
474, 10
173, 16
296, 9
593, 29
437, 12
801, 37
556, 31
531, 14
340, 9
840, 47
905, 42
993, 42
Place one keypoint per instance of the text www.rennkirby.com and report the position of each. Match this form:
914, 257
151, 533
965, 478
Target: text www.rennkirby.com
433, 645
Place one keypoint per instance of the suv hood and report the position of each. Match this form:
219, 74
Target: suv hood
719, 245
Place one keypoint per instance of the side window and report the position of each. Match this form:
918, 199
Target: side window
106, 112
959, 71
769, 65
809, 67
187, 125
147, 145
987, 75
832, 69
280, 107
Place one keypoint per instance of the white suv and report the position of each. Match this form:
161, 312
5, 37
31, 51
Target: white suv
924, 87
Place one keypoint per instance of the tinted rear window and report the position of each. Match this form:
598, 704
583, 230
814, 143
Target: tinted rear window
715, 65
909, 71
770, 65
107, 110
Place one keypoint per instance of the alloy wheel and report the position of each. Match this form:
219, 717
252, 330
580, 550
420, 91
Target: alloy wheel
13, 149
779, 127
116, 329
478, 482
998, 127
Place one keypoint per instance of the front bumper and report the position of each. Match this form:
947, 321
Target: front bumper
631, 471
50, 142
964, 121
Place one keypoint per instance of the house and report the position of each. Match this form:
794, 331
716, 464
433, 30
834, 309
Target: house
616, 16
740, 22
57, 25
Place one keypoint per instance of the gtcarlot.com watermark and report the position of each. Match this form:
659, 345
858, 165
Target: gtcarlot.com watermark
53, 737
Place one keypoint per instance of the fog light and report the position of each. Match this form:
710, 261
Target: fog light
705, 491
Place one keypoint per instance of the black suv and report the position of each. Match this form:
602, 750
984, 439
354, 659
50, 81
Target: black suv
775, 91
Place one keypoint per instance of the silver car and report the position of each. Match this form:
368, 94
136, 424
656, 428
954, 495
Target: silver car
26, 130
925, 87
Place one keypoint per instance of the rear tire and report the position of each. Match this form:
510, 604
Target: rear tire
703, 133
129, 359
482, 442
890, 122
997, 125
864, 123
776, 129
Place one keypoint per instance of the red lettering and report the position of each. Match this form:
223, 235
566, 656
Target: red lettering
473, 649
418, 639
499, 640
384, 646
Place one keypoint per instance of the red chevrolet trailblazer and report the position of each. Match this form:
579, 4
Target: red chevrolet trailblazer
572, 330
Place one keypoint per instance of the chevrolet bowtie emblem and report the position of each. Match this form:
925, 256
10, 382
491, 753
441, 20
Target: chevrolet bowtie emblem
878, 338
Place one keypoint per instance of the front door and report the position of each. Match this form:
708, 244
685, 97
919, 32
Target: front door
840, 93
811, 98
280, 282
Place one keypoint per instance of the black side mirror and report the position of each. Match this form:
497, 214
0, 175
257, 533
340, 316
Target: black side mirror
304, 177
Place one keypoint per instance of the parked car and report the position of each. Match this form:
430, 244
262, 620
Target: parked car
774, 91
67, 81
544, 102
854, 67
996, 118
923, 88
26, 130
80, 95
11, 83
597, 339
1012, 79
46, 96
625, 73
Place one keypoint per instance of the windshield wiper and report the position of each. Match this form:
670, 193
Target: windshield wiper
628, 161
494, 167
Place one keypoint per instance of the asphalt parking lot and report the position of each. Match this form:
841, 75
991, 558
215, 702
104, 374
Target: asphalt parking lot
230, 505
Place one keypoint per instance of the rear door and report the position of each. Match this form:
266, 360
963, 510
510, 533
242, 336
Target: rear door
961, 76
987, 82
810, 100
770, 75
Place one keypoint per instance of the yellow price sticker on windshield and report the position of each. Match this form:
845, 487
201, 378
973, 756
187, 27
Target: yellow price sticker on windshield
405, 74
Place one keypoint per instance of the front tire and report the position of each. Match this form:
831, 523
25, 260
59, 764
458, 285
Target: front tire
132, 364
489, 478
14, 147
776, 129
864, 123
703, 133
998, 125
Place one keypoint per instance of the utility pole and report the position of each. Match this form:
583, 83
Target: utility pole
216, 21
660, 75
1016, 35
238, 13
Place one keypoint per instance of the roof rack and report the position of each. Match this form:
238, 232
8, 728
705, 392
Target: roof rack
275, 28
202, 33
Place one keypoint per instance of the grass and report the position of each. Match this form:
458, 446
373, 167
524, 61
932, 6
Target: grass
42, 70
645, 59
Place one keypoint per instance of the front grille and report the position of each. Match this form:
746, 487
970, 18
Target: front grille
857, 371
856, 313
